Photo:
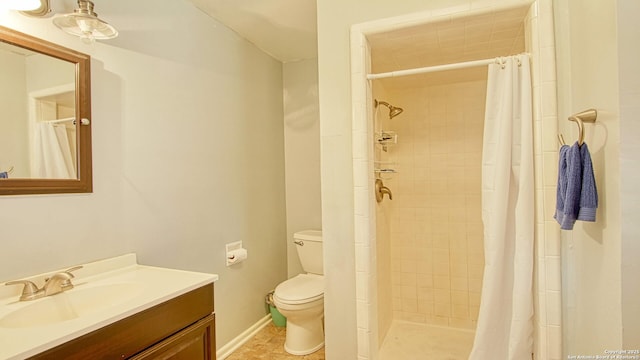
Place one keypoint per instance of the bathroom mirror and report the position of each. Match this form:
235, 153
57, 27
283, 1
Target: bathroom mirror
45, 117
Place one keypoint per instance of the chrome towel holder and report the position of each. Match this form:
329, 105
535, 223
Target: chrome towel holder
587, 116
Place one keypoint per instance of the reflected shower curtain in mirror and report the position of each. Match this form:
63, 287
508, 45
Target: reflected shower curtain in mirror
505, 321
52, 155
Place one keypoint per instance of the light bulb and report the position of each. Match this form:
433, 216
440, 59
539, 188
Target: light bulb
21, 5
88, 38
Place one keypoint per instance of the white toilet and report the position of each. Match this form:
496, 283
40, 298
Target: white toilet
301, 298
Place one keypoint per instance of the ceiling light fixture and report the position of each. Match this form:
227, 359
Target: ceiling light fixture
84, 22
22, 5
42, 10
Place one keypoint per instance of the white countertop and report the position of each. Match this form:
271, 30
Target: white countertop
157, 285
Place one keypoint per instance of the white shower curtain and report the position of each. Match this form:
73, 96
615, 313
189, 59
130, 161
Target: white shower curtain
52, 155
505, 322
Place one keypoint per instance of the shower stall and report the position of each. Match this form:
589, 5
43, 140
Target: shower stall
421, 249
430, 235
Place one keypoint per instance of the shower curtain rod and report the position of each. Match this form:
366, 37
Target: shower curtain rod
61, 120
429, 69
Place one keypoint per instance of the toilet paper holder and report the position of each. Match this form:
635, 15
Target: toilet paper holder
235, 253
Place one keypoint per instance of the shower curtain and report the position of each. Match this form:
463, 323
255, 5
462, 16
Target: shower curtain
505, 321
52, 155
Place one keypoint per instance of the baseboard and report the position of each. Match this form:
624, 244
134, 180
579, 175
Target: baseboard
239, 340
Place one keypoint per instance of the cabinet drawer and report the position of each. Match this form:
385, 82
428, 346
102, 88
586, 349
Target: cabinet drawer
197, 342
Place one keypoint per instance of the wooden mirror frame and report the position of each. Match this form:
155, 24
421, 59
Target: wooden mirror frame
84, 182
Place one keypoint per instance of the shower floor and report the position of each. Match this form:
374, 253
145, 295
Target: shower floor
413, 341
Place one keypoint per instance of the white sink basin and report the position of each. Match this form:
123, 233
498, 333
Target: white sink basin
105, 292
70, 305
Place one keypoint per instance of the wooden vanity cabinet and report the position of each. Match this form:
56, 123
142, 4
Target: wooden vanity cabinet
182, 328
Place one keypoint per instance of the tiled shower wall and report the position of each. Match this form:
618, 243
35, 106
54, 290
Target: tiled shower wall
540, 43
383, 233
436, 230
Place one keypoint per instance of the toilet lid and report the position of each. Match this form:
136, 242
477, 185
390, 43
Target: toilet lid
300, 289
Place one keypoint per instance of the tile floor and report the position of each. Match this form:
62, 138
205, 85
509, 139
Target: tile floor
412, 341
404, 341
268, 344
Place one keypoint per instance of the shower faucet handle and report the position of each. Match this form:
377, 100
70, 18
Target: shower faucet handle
385, 190
381, 190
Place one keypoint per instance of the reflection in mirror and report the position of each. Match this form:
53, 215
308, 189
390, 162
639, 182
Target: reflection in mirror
38, 102
45, 132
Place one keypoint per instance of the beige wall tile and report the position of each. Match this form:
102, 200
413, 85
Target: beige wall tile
436, 228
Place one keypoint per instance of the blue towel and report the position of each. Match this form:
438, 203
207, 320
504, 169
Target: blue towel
576, 196
561, 190
569, 186
4, 175
589, 192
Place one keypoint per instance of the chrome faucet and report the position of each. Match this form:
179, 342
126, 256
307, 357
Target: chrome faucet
57, 283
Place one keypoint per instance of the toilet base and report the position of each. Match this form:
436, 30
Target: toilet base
304, 338
304, 313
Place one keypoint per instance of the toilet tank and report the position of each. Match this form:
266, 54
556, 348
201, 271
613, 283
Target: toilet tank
309, 247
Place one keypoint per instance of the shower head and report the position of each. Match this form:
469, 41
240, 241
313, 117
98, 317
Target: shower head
393, 111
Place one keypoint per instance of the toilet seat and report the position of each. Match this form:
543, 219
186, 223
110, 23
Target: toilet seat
301, 289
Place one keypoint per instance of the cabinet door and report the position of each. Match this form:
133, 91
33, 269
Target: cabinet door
193, 343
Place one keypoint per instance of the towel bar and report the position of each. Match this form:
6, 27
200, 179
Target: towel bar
580, 118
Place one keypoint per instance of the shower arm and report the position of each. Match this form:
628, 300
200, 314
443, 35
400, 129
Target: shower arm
380, 102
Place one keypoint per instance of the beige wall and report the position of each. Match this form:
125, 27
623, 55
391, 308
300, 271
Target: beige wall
302, 153
628, 12
592, 286
188, 154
